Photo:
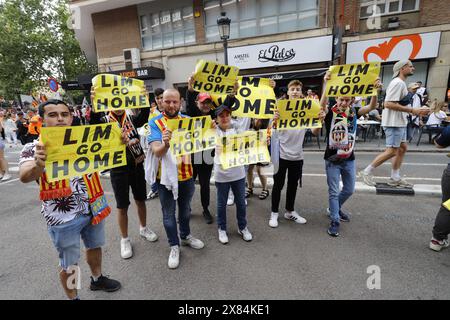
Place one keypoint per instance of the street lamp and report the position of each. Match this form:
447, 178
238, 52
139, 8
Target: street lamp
223, 22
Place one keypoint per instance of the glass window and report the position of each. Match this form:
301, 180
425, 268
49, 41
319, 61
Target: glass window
387, 6
247, 9
167, 28
307, 4
247, 28
393, 6
287, 22
288, 6
268, 25
409, 5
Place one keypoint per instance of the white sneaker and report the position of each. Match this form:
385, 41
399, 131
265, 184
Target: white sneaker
174, 257
126, 250
6, 177
246, 235
148, 234
223, 238
230, 201
273, 222
367, 178
192, 242
294, 216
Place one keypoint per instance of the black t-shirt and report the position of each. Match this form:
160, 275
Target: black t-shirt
444, 138
330, 154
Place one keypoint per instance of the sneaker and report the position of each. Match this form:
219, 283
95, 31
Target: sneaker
208, 217
399, 183
105, 284
437, 245
344, 217
6, 177
152, 195
367, 178
126, 250
192, 242
223, 238
174, 257
294, 216
230, 200
148, 234
333, 230
246, 235
273, 222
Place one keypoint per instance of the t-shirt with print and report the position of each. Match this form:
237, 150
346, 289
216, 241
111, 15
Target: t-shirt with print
156, 126
232, 174
395, 92
291, 144
61, 210
341, 132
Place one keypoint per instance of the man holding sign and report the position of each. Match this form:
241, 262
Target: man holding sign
68, 207
131, 175
341, 125
174, 178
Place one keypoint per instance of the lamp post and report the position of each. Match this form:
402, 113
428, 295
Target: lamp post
223, 22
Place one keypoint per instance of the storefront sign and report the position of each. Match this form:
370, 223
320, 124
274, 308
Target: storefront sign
413, 46
290, 52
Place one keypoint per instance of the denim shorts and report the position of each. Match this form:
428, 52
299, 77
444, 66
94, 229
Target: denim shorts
66, 238
2, 144
395, 136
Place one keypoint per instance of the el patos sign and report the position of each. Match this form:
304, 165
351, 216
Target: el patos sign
299, 51
412, 46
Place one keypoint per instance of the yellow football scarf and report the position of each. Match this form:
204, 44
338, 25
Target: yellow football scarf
60, 189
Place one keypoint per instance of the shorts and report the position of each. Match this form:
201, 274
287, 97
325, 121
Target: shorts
121, 182
66, 238
395, 136
2, 144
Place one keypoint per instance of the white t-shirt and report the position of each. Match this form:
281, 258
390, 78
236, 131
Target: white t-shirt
436, 119
232, 174
9, 125
395, 92
291, 144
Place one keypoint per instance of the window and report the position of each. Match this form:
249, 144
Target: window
384, 7
167, 29
251, 18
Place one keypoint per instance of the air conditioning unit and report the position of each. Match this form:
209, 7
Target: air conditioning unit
132, 58
393, 23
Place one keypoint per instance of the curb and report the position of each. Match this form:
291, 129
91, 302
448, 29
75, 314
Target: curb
419, 189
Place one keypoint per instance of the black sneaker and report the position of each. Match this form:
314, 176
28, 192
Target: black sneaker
344, 217
333, 230
105, 284
207, 216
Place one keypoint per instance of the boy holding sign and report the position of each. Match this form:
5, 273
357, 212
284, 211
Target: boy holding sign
67, 207
226, 179
341, 123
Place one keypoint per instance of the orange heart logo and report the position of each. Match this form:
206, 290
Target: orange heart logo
383, 50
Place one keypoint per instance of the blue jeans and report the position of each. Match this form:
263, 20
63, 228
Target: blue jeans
154, 187
66, 238
238, 188
336, 197
168, 205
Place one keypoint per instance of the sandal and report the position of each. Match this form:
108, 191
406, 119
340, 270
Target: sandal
248, 192
264, 194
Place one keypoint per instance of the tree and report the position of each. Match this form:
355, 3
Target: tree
36, 43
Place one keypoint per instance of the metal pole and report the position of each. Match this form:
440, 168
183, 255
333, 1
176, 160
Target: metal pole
225, 50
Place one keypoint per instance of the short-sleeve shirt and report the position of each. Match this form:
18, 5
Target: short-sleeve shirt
156, 126
291, 144
436, 118
61, 210
395, 92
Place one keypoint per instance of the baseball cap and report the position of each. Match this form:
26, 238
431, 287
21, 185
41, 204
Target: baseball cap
398, 66
413, 85
203, 96
221, 109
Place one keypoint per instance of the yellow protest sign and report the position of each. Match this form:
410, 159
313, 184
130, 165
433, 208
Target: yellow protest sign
352, 80
190, 135
243, 148
214, 77
255, 98
114, 92
76, 151
298, 114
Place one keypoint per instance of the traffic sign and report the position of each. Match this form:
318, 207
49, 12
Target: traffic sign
53, 84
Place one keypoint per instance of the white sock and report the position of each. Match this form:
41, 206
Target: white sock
395, 174
125, 239
369, 169
96, 278
141, 228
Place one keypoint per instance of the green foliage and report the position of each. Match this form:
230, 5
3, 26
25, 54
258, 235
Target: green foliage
36, 43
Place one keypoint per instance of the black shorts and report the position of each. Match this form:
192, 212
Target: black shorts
122, 180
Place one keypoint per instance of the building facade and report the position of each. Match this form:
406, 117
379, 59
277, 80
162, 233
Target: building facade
160, 41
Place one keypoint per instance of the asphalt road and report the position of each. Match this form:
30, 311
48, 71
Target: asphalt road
290, 262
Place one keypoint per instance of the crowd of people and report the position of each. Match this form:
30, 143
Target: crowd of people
172, 180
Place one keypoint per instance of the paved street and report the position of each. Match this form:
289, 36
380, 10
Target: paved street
290, 262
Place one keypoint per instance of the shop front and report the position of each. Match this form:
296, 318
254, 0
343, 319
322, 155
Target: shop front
304, 59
